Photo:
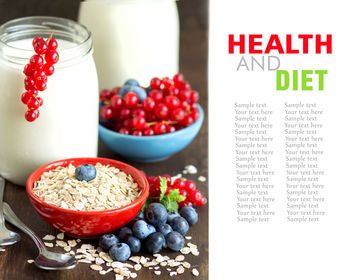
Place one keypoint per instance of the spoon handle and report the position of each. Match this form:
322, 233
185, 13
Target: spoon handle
14, 220
2, 188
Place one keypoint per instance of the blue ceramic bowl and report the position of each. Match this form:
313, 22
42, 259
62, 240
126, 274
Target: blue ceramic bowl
150, 148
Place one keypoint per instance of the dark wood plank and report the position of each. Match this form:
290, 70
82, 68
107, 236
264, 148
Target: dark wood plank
193, 60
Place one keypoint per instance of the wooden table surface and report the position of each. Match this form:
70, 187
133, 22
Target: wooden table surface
193, 61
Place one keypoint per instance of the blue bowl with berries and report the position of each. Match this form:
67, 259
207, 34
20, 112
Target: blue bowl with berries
150, 148
148, 124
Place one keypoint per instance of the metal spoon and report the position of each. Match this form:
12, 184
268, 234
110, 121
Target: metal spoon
7, 237
46, 259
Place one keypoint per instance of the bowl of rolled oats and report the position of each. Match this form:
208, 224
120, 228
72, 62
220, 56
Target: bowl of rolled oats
87, 197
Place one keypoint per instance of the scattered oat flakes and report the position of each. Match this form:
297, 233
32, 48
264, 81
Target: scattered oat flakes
67, 248
99, 261
186, 265
190, 169
195, 252
180, 258
48, 244
202, 179
185, 250
188, 237
163, 263
119, 277
60, 236
72, 253
72, 243
168, 269
30, 261
173, 273
133, 275
180, 269
87, 247
2, 250
135, 259
191, 245
157, 272
96, 267
48, 237
160, 259
84, 261
137, 267
78, 240
178, 176
143, 260
61, 243
195, 272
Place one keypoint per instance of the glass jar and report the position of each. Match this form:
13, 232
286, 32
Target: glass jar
68, 122
133, 39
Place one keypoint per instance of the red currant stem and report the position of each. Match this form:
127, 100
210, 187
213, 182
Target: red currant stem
48, 40
165, 122
106, 102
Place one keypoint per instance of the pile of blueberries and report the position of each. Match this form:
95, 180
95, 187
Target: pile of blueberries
151, 231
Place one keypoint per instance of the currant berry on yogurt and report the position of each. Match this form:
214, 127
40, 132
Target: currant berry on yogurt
40, 66
165, 106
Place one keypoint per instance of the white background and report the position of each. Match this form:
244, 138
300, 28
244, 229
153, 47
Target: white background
279, 250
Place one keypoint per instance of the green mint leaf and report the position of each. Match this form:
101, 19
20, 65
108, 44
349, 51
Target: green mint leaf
175, 195
169, 204
163, 187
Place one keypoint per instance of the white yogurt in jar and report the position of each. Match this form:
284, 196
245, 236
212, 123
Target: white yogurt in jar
133, 39
68, 122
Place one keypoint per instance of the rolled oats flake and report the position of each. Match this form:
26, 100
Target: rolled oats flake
48, 244
48, 237
195, 272
96, 267
60, 236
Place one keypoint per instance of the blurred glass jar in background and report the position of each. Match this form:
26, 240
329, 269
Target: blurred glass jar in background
132, 39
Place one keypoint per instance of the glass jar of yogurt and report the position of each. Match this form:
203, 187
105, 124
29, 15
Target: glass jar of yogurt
132, 39
68, 122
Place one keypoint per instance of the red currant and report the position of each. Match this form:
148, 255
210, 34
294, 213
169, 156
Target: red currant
137, 133
138, 112
51, 56
40, 100
183, 192
179, 184
178, 115
33, 103
172, 102
36, 61
178, 78
29, 70
40, 46
131, 100
125, 113
31, 115
161, 111
168, 179
105, 95
40, 85
159, 128
194, 96
115, 90
167, 83
185, 86
25, 97
148, 104
148, 132
195, 196
40, 75
155, 83
116, 101
190, 186
151, 179
49, 69
194, 106
195, 115
184, 95
151, 117
156, 95
29, 83
170, 128
188, 120
139, 122
52, 44
202, 201
124, 130
106, 112
127, 123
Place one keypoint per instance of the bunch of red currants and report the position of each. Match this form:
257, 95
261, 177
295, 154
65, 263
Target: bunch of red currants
37, 70
187, 188
166, 106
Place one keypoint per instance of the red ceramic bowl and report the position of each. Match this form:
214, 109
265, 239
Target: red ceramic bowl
87, 224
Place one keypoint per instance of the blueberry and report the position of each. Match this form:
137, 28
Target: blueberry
180, 225
120, 252
133, 221
165, 229
172, 215
140, 92
189, 214
175, 241
85, 172
107, 241
140, 215
123, 233
141, 229
156, 214
154, 242
134, 243
148, 90
132, 82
